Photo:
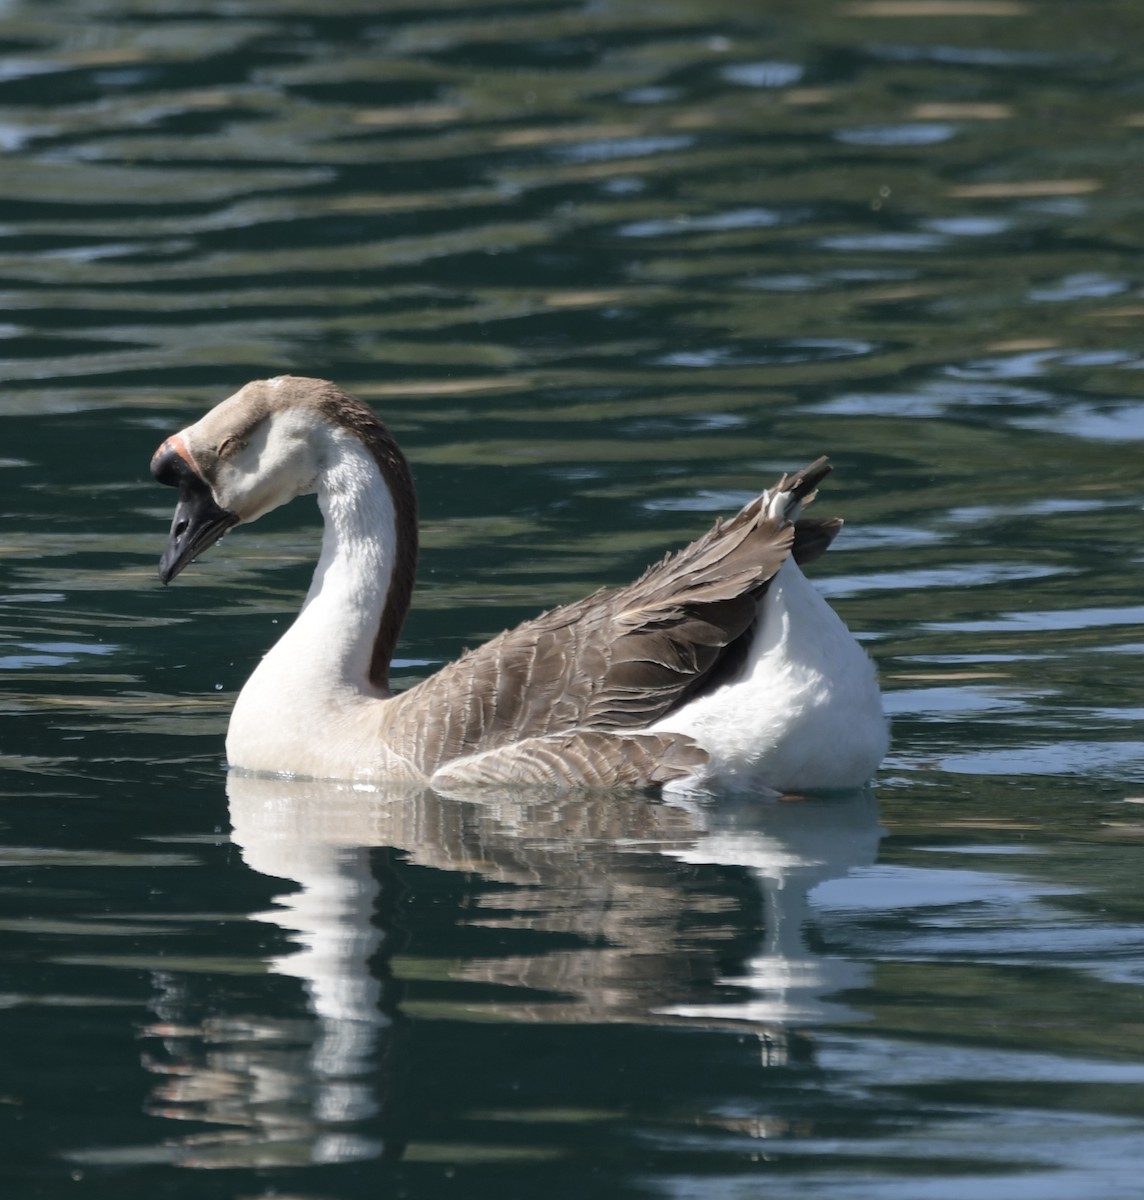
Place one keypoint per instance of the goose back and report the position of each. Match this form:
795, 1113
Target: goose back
571, 690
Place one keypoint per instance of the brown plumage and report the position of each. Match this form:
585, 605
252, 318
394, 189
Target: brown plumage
575, 684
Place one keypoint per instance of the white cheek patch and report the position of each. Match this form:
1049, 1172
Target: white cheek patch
278, 462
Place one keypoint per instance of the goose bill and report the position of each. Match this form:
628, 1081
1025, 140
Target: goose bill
198, 522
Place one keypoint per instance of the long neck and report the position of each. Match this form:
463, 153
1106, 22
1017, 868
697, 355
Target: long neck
360, 592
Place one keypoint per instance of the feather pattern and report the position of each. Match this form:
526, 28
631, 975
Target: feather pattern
584, 759
614, 662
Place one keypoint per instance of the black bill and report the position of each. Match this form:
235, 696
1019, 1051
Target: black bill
198, 523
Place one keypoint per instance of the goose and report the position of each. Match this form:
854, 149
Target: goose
720, 665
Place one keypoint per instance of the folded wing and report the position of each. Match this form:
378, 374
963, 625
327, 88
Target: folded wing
567, 694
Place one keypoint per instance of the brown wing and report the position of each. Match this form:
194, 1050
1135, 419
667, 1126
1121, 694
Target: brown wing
584, 759
812, 538
611, 663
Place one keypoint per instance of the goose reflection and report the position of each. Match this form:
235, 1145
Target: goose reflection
789, 848
648, 913
292, 1090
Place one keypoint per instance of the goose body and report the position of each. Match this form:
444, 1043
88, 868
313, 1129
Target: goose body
719, 662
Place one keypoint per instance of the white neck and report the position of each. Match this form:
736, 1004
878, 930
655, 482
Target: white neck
336, 629
319, 670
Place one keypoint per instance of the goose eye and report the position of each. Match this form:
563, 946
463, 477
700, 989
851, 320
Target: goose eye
230, 445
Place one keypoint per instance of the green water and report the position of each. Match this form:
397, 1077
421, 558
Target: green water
605, 269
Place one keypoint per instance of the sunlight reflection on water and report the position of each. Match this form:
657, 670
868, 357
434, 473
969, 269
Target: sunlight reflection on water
605, 272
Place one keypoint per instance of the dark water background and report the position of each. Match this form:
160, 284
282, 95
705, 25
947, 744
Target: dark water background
606, 268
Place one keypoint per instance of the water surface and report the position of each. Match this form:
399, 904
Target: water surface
606, 269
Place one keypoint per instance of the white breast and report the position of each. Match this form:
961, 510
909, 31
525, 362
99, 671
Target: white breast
309, 709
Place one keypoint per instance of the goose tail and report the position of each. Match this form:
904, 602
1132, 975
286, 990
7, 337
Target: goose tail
792, 492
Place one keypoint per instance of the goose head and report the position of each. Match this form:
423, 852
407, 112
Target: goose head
255, 451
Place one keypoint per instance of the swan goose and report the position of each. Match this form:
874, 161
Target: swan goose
720, 662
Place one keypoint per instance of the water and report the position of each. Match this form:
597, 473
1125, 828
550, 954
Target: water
605, 269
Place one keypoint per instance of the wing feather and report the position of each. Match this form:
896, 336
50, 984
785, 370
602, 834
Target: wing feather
557, 688
583, 759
